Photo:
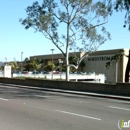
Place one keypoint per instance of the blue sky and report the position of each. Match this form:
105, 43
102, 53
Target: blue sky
14, 39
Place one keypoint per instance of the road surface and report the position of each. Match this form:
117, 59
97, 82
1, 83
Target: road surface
28, 109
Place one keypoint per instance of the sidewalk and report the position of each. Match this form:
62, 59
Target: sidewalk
72, 92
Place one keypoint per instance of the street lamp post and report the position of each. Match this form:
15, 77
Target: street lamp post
52, 64
96, 72
116, 73
60, 66
21, 62
5, 60
96, 68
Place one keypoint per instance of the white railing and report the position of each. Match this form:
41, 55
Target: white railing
100, 78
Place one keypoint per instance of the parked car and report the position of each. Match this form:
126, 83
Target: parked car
25, 72
37, 72
57, 72
1, 72
30, 72
45, 72
78, 72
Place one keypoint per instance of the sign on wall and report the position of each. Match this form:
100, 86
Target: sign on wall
7, 71
99, 58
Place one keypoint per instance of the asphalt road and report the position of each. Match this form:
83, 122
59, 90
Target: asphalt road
26, 109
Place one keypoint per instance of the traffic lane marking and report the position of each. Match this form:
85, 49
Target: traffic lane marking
75, 114
120, 108
3, 99
119, 101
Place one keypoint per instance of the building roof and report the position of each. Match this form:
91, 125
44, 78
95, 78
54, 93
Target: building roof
58, 56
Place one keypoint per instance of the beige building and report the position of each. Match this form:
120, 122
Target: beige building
96, 62
56, 57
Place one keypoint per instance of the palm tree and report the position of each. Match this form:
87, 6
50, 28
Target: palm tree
114, 60
35, 64
27, 65
14, 66
50, 66
1, 67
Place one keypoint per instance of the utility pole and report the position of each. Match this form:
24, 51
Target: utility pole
52, 64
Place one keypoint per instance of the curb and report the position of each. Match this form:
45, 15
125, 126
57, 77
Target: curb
72, 92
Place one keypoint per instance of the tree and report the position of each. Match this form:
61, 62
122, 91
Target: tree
27, 65
73, 60
122, 5
49, 67
1, 67
35, 64
27, 60
14, 65
114, 60
81, 20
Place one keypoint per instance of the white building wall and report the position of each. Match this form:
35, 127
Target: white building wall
125, 60
98, 63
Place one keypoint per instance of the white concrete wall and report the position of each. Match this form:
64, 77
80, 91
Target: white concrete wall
97, 64
96, 78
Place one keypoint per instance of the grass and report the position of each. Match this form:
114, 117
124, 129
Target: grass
38, 78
